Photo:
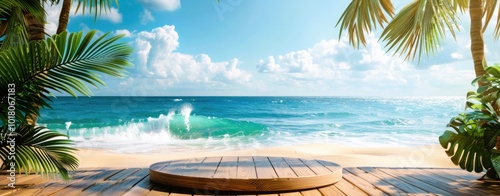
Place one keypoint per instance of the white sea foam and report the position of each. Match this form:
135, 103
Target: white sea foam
186, 112
68, 124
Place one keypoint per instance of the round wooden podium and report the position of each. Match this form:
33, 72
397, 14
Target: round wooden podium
255, 174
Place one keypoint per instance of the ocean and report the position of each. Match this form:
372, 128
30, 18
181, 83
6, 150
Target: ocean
177, 124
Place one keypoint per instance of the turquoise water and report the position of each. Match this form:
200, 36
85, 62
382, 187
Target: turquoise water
227, 123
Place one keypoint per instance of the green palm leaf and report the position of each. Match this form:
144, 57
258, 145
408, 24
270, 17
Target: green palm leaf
361, 16
420, 27
465, 145
38, 150
16, 32
62, 63
33, 7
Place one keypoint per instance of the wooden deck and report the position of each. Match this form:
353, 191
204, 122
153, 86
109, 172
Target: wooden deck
252, 174
356, 181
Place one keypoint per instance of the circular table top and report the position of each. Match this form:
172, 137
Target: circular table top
254, 174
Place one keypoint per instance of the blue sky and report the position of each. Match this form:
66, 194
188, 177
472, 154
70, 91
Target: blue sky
263, 48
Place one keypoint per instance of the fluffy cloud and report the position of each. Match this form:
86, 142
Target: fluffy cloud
146, 16
334, 67
157, 58
161, 5
125, 32
330, 59
113, 15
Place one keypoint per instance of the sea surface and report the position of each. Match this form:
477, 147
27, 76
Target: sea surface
147, 124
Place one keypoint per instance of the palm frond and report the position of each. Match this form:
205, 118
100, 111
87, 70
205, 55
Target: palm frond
489, 10
419, 27
461, 5
16, 33
62, 63
96, 6
38, 150
362, 16
33, 7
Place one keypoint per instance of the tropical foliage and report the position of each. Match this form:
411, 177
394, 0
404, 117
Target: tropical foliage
471, 142
33, 68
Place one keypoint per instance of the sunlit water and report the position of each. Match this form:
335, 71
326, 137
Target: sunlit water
142, 124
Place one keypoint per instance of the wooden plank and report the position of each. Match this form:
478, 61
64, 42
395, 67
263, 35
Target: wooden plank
291, 194
78, 187
299, 168
51, 188
409, 188
123, 186
45, 181
469, 186
246, 168
379, 184
18, 177
160, 165
282, 168
333, 167
210, 164
459, 175
264, 168
191, 169
176, 166
348, 188
330, 190
422, 179
227, 168
313, 192
415, 182
23, 183
179, 194
141, 188
362, 184
157, 193
99, 187
30, 190
316, 167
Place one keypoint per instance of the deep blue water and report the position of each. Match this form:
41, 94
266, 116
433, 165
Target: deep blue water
218, 123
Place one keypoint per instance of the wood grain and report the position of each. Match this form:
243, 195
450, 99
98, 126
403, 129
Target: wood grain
256, 174
356, 181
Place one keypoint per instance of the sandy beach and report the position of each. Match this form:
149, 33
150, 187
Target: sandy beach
347, 156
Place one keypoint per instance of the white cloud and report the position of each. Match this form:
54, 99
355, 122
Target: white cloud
161, 5
326, 59
125, 32
333, 67
156, 58
456, 55
53, 12
146, 16
113, 15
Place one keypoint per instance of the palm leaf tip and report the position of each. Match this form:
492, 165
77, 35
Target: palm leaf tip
361, 17
420, 27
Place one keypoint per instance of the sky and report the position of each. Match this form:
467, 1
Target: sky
267, 48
